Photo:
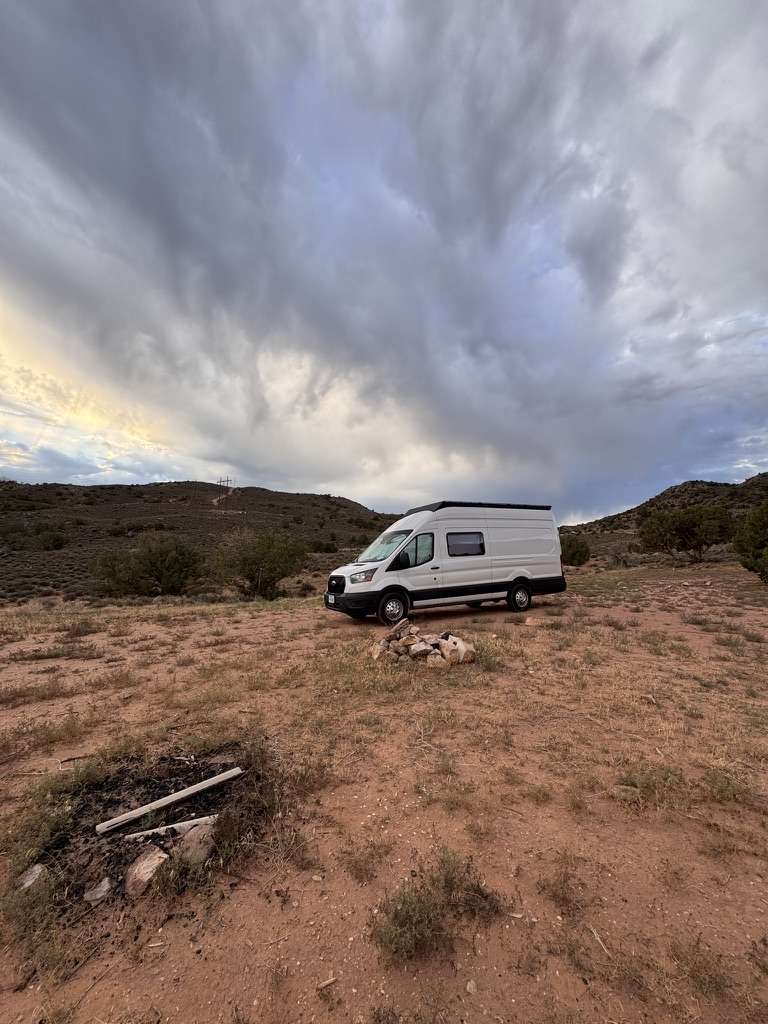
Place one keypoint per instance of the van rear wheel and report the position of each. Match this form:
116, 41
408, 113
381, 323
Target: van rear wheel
519, 598
392, 608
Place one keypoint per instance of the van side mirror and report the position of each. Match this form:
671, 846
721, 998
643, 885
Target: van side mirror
403, 560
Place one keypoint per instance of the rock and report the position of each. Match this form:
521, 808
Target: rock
467, 652
376, 651
196, 846
436, 660
471, 987
409, 641
397, 648
390, 656
430, 638
399, 630
37, 873
414, 630
142, 871
419, 650
98, 892
449, 650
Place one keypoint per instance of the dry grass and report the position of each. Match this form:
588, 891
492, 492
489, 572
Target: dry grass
705, 969
420, 917
614, 723
363, 860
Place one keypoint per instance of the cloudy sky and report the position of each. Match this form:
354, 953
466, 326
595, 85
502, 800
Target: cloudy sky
392, 250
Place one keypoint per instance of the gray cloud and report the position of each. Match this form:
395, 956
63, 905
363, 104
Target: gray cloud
405, 249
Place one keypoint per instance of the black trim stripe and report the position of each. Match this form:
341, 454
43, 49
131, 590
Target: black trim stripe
544, 585
473, 504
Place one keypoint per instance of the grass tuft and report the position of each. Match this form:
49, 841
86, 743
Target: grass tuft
704, 968
420, 917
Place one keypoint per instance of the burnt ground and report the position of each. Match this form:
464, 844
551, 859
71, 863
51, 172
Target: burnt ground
81, 858
602, 766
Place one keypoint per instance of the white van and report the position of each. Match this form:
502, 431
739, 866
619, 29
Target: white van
452, 552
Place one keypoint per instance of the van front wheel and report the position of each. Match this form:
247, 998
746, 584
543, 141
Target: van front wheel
519, 598
392, 608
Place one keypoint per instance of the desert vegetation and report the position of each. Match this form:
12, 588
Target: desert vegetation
575, 549
691, 530
55, 537
574, 820
751, 541
256, 562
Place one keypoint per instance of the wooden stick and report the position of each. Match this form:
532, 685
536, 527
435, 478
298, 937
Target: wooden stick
166, 801
326, 984
178, 827
602, 944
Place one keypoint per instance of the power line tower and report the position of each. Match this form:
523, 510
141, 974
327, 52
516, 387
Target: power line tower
226, 485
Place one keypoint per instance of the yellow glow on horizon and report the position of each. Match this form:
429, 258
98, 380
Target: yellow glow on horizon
42, 397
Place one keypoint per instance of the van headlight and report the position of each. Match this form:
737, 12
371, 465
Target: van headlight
362, 577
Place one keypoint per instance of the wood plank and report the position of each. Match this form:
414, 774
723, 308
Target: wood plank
178, 827
167, 801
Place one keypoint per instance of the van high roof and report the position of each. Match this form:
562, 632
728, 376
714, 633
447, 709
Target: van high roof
473, 504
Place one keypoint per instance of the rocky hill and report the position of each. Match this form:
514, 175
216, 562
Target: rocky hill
51, 533
738, 498
616, 536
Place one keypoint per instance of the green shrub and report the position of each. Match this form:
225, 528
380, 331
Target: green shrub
327, 547
575, 550
157, 565
51, 540
751, 542
256, 562
692, 530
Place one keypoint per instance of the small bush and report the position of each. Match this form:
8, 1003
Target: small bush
574, 549
418, 918
325, 547
256, 562
52, 540
653, 785
157, 565
751, 542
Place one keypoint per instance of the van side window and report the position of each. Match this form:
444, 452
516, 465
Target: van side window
465, 544
417, 551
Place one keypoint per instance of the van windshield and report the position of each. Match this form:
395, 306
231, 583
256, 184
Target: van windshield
383, 546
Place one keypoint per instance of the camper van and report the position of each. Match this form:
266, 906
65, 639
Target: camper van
452, 552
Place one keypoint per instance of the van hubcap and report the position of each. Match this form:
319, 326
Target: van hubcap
393, 609
521, 598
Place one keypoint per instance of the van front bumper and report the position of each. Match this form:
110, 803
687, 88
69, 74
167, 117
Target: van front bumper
360, 604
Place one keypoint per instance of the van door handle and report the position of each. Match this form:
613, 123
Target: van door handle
434, 567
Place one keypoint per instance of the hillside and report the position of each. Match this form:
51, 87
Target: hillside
51, 533
738, 498
617, 534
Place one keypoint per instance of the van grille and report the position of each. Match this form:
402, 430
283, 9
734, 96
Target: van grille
336, 584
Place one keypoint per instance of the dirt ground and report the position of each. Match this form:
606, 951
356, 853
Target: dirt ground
602, 764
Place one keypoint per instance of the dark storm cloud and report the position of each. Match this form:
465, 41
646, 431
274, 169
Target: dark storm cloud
490, 247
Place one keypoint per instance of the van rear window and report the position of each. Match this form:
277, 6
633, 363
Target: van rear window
465, 544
